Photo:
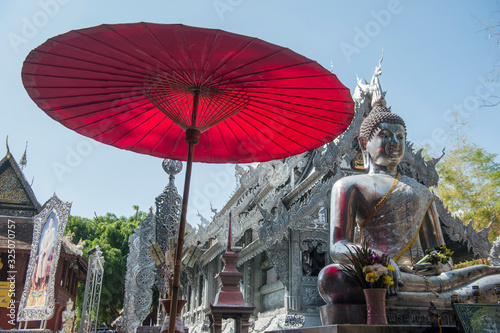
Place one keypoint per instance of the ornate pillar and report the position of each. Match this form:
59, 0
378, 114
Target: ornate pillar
295, 272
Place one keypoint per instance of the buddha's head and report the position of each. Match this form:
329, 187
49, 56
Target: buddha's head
382, 139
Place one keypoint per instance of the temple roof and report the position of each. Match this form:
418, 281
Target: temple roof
16, 196
24, 235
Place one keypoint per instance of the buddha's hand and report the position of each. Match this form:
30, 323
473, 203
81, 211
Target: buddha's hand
396, 277
429, 269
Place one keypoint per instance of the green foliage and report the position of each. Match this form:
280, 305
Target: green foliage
470, 185
480, 261
469, 180
111, 233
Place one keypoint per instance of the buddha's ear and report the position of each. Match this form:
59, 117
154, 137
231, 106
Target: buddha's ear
362, 142
366, 157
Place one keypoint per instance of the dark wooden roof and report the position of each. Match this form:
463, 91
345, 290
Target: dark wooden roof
16, 196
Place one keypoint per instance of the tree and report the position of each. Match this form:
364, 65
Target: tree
469, 182
111, 234
492, 28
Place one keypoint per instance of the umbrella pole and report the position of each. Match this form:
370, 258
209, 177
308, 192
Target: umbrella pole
192, 138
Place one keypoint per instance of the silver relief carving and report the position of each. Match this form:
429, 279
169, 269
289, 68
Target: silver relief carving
167, 216
140, 275
45, 311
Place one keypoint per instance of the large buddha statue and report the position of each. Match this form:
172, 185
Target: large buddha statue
396, 215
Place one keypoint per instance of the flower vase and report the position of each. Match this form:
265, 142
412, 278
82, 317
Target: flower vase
179, 327
375, 306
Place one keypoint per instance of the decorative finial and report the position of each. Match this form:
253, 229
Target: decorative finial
7, 144
229, 237
171, 167
23, 161
378, 96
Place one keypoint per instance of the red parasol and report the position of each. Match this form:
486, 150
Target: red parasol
161, 89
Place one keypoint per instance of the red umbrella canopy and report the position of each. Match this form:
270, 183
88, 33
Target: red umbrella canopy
132, 86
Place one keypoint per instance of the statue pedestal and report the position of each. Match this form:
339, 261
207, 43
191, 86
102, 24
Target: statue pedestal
333, 314
369, 329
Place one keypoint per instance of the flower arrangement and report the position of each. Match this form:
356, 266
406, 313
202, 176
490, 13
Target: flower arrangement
439, 254
368, 269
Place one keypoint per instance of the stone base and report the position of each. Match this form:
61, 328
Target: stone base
368, 329
417, 316
332, 314
148, 329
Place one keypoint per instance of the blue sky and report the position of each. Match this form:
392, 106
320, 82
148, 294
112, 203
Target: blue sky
437, 58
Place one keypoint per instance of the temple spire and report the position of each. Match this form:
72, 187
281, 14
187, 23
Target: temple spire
23, 161
7, 145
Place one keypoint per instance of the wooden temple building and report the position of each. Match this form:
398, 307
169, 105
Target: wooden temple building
18, 205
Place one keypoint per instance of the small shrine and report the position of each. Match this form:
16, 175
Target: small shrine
229, 302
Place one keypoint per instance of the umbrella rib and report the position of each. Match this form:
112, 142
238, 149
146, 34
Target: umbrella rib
267, 97
217, 101
99, 120
177, 140
281, 68
99, 54
255, 93
238, 139
80, 87
187, 52
223, 138
245, 131
154, 127
282, 78
274, 130
161, 46
86, 104
295, 121
208, 57
77, 78
256, 101
80, 68
251, 41
272, 140
176, 105
136, 48
161, 139
135, 126
86, 95
119, 124
257, 60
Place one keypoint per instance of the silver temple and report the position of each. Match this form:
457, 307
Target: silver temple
281, 228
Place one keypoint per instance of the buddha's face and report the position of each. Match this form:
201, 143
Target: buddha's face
387, 146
